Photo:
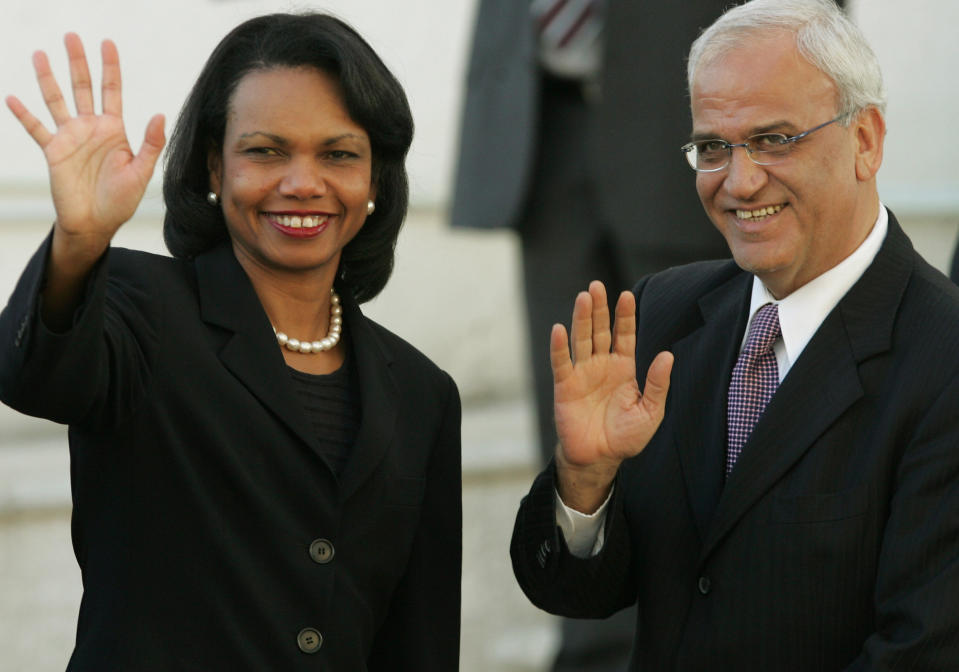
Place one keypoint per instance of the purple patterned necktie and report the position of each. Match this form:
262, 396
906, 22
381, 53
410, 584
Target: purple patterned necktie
755, 379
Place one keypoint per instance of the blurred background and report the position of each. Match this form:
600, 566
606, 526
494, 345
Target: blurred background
455, 294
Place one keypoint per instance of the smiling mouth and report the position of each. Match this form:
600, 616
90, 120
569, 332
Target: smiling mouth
300, 222
761, 213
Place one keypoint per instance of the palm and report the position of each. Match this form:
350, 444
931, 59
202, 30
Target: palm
596, 409
601, 416
95, 179
92, 176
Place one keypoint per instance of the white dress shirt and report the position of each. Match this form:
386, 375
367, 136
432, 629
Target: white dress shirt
800, 315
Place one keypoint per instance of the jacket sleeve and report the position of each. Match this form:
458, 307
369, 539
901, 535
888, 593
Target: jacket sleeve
559, 582
554, 579
422, 627
917, 584
94, 371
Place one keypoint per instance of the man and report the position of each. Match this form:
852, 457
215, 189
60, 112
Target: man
570, 118
825, 534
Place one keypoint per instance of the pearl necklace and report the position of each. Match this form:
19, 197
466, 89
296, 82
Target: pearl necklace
332, 336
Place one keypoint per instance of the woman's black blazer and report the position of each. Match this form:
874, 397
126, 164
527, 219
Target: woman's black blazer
209, 532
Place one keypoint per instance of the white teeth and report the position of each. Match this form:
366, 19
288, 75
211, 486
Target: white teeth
296, 222
761, 212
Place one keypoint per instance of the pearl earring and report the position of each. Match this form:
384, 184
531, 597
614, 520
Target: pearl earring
370, 207
212, 198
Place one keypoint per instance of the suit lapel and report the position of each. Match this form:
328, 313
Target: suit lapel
698, 392
378, 399
250, 352
821, 385
228, 301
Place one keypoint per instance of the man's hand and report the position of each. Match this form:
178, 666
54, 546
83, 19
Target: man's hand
601, 417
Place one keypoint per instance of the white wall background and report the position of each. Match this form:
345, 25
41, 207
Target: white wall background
919, 55
163, 44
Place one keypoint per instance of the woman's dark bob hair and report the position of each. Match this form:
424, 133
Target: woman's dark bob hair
373, 98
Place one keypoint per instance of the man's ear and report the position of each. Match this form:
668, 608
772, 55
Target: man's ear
870, 129
214, 166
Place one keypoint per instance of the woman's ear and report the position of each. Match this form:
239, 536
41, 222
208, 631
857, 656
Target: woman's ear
215, 167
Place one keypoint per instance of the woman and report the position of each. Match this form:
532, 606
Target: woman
243, 499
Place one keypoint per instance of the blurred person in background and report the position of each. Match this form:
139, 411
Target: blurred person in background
262, 478
784, 493
954, 273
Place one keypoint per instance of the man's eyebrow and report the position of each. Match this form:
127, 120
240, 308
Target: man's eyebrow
697, 137
779, 126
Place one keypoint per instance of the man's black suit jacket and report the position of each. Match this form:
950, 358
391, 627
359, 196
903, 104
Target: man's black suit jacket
834, 544
198, 486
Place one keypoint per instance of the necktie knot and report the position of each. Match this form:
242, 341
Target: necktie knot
763, 331
569, 33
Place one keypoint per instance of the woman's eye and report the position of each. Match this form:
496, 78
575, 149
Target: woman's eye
340, 154
261, 151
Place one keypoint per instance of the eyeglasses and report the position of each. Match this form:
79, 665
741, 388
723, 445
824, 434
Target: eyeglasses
764, 149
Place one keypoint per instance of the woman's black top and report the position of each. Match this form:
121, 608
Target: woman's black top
332, 404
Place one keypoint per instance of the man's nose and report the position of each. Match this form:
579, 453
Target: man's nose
744, 178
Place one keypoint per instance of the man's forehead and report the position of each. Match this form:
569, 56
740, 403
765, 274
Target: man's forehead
764, 85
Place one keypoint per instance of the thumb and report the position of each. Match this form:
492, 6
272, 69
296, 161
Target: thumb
153, 142
657, 384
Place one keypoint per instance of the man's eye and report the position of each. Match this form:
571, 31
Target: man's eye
768, 142
709, 147
711, 150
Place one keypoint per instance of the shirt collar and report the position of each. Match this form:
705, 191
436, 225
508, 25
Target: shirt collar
801, 313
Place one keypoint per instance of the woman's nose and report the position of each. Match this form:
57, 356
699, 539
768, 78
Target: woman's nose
304, 179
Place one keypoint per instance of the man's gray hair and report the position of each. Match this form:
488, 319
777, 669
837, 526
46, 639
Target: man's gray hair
824, 36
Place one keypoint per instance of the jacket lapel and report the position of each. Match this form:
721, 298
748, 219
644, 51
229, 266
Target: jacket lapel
703, 360
378, 398
821, 385
228, 301
250, 352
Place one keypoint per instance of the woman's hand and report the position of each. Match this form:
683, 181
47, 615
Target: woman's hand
95, 179
601, 417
